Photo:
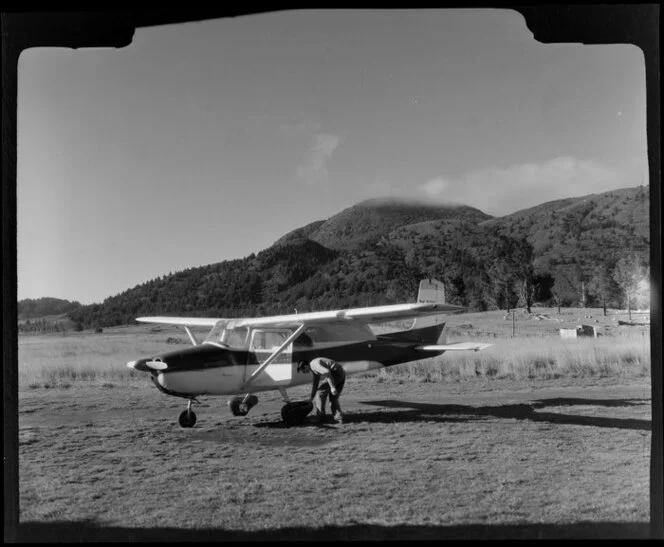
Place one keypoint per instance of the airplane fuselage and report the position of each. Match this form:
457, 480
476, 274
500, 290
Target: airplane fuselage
212, 369
243, 356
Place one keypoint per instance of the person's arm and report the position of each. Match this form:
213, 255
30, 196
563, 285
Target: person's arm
333, 387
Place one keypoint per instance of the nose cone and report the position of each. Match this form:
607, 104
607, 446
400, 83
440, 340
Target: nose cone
139, 364
187, 359
147, 365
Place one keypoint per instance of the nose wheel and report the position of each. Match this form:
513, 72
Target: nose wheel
188, 417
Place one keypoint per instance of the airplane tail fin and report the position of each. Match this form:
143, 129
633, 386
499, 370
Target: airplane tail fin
427, 329
431, 291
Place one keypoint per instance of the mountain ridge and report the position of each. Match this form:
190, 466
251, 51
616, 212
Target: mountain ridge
376, 251
369, 219
30, 308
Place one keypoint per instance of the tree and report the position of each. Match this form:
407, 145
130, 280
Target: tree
577, 279
602, 285
525, 278
628, 273
526, 291
563, 291
542, 284
457, 291
500, 278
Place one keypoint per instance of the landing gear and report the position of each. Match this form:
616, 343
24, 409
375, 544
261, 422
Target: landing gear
294, 414
188, 417
240, 406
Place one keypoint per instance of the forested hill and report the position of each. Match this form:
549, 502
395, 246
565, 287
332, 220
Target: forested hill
31, 308
572, 237
369, 220
377, 251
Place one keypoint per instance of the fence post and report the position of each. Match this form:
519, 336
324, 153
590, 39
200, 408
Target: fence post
513, 317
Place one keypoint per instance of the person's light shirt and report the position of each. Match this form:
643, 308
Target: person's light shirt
323, 367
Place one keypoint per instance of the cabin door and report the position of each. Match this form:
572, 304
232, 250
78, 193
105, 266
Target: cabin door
264, 342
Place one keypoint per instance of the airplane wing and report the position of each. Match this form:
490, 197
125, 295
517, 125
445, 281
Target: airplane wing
371, 314
182, 321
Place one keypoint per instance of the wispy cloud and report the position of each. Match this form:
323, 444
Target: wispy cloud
435, 186
314, 168
500, 191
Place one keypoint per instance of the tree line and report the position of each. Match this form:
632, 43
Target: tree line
482, 269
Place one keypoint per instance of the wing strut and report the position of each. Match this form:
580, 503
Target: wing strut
192, 337
272, 357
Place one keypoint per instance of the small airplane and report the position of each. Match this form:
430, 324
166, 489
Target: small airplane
244, 356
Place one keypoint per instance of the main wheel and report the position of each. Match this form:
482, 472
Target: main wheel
294, 414
238, 408
187, 418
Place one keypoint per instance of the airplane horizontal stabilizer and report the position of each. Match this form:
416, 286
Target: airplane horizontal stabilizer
457, 346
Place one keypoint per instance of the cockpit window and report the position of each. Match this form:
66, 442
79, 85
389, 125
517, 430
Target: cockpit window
235, 338
225, 333
215, 334
265, 341
269, 339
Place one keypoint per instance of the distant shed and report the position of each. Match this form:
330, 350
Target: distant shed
580, 330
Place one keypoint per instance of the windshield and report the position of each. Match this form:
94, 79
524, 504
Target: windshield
234, 338
225, 333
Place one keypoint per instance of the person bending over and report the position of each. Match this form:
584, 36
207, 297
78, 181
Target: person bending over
329, 379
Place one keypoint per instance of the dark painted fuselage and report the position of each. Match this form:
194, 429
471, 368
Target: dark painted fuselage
214, 369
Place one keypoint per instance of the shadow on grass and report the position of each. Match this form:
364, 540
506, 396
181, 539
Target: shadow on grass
575, 401
461, 413
91, 531
308, 422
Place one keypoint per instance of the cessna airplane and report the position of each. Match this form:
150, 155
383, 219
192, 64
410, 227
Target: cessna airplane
244, 356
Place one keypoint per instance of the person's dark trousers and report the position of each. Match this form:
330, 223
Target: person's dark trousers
322, 393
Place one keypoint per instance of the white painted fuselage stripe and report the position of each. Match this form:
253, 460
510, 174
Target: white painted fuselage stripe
227, 380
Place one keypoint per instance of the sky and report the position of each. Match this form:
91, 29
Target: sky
207, 141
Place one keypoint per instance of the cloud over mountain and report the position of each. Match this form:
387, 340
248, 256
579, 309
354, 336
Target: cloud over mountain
502, 190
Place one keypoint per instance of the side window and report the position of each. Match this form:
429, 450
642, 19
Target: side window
275, 339
311, 336
264, 342
268, 339
258, 340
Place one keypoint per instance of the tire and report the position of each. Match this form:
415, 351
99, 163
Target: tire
235, 407
295, 413
187, 418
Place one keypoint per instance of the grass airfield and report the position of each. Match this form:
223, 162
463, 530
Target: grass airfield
431, 450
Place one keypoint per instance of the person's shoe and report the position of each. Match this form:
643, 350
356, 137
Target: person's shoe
338, 418
320, 418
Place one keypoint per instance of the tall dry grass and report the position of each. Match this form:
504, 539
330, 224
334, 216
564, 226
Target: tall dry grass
538, 358
59, 360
